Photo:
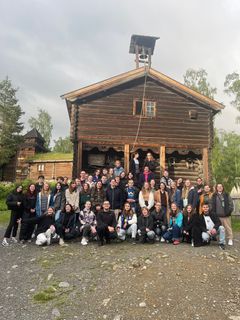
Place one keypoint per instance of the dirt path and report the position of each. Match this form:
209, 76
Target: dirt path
120, 281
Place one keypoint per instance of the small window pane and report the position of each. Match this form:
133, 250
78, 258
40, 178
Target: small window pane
138, 108
150, 108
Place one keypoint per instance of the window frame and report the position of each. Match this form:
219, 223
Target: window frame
144, 113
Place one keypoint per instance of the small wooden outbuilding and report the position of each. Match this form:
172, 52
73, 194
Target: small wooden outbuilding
142, 110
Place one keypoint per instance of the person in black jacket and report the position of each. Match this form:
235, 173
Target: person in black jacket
115, 196
59, 199
145, 227
15, 204
106, 224
222, 206
150, 162
159, 221
135, 165
207, 226
188, 218
45, 227
66, 224
29, 204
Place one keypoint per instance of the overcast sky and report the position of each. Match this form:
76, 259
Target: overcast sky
50, 47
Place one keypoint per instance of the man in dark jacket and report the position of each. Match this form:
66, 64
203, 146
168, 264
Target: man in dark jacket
145, 226
106, 224
207, 226
115, 196
222, 206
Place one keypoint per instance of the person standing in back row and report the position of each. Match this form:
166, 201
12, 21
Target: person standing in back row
222, 207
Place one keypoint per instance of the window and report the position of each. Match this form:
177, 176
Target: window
149, 108
41, 167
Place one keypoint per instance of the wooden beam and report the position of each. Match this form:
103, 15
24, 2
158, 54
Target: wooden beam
126, 157
162, 154
205, 165
79, 159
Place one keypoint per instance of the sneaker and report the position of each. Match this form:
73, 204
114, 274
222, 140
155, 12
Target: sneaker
5, 243
162, 239
61, 242
133, 240
157, 238
230, 242
14, 240
176, 242
84, 241
221, 246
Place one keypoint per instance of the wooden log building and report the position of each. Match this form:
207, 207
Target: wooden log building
142, 110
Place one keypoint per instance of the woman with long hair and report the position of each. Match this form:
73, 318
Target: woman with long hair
174, 231
98, 195
29, 204
72, 197
85, 195
150, 162
188, 220
59, 199
15, 204
127, 223
135, 165
161, 196
88, 223
146, 197
66, 224
44, 200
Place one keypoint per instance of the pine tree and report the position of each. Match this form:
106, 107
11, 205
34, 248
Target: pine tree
10, 125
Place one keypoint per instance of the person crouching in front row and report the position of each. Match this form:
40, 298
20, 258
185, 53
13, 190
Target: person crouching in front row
206, 227
45, 227
174, 232
88, 222
159, 221
127, 223
66, 224
106, 224
145, 226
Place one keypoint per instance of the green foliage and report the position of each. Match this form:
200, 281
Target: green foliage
52, 156
226, 159
197, 80
4, 217
63, 145
43, 123
236, 224
45, 295
232, 88
10, 125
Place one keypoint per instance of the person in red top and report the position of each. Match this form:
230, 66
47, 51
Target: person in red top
146, 176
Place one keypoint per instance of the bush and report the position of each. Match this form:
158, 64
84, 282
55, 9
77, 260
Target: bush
3, 205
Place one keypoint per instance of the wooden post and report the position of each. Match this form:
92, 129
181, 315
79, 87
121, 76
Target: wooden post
126, 157
205, 165
162, 155
79, 159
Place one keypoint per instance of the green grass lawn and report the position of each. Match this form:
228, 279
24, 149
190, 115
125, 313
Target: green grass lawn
52, 156
4, 217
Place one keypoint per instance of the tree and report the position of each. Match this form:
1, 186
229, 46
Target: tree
197, 80
43, 123
10, 125
226, 159
63, 145
232, 88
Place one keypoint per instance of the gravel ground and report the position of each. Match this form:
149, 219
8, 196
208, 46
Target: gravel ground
120, 281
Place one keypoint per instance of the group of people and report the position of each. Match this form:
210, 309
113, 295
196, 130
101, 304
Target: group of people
111, 204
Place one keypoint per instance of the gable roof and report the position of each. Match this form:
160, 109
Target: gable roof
33, 134
136, 74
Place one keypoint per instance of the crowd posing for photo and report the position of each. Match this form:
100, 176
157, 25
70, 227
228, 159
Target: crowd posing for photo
113, 204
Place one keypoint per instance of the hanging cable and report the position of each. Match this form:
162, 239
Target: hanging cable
142, 111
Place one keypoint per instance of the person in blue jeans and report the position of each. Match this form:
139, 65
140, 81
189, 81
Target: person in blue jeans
174, 231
